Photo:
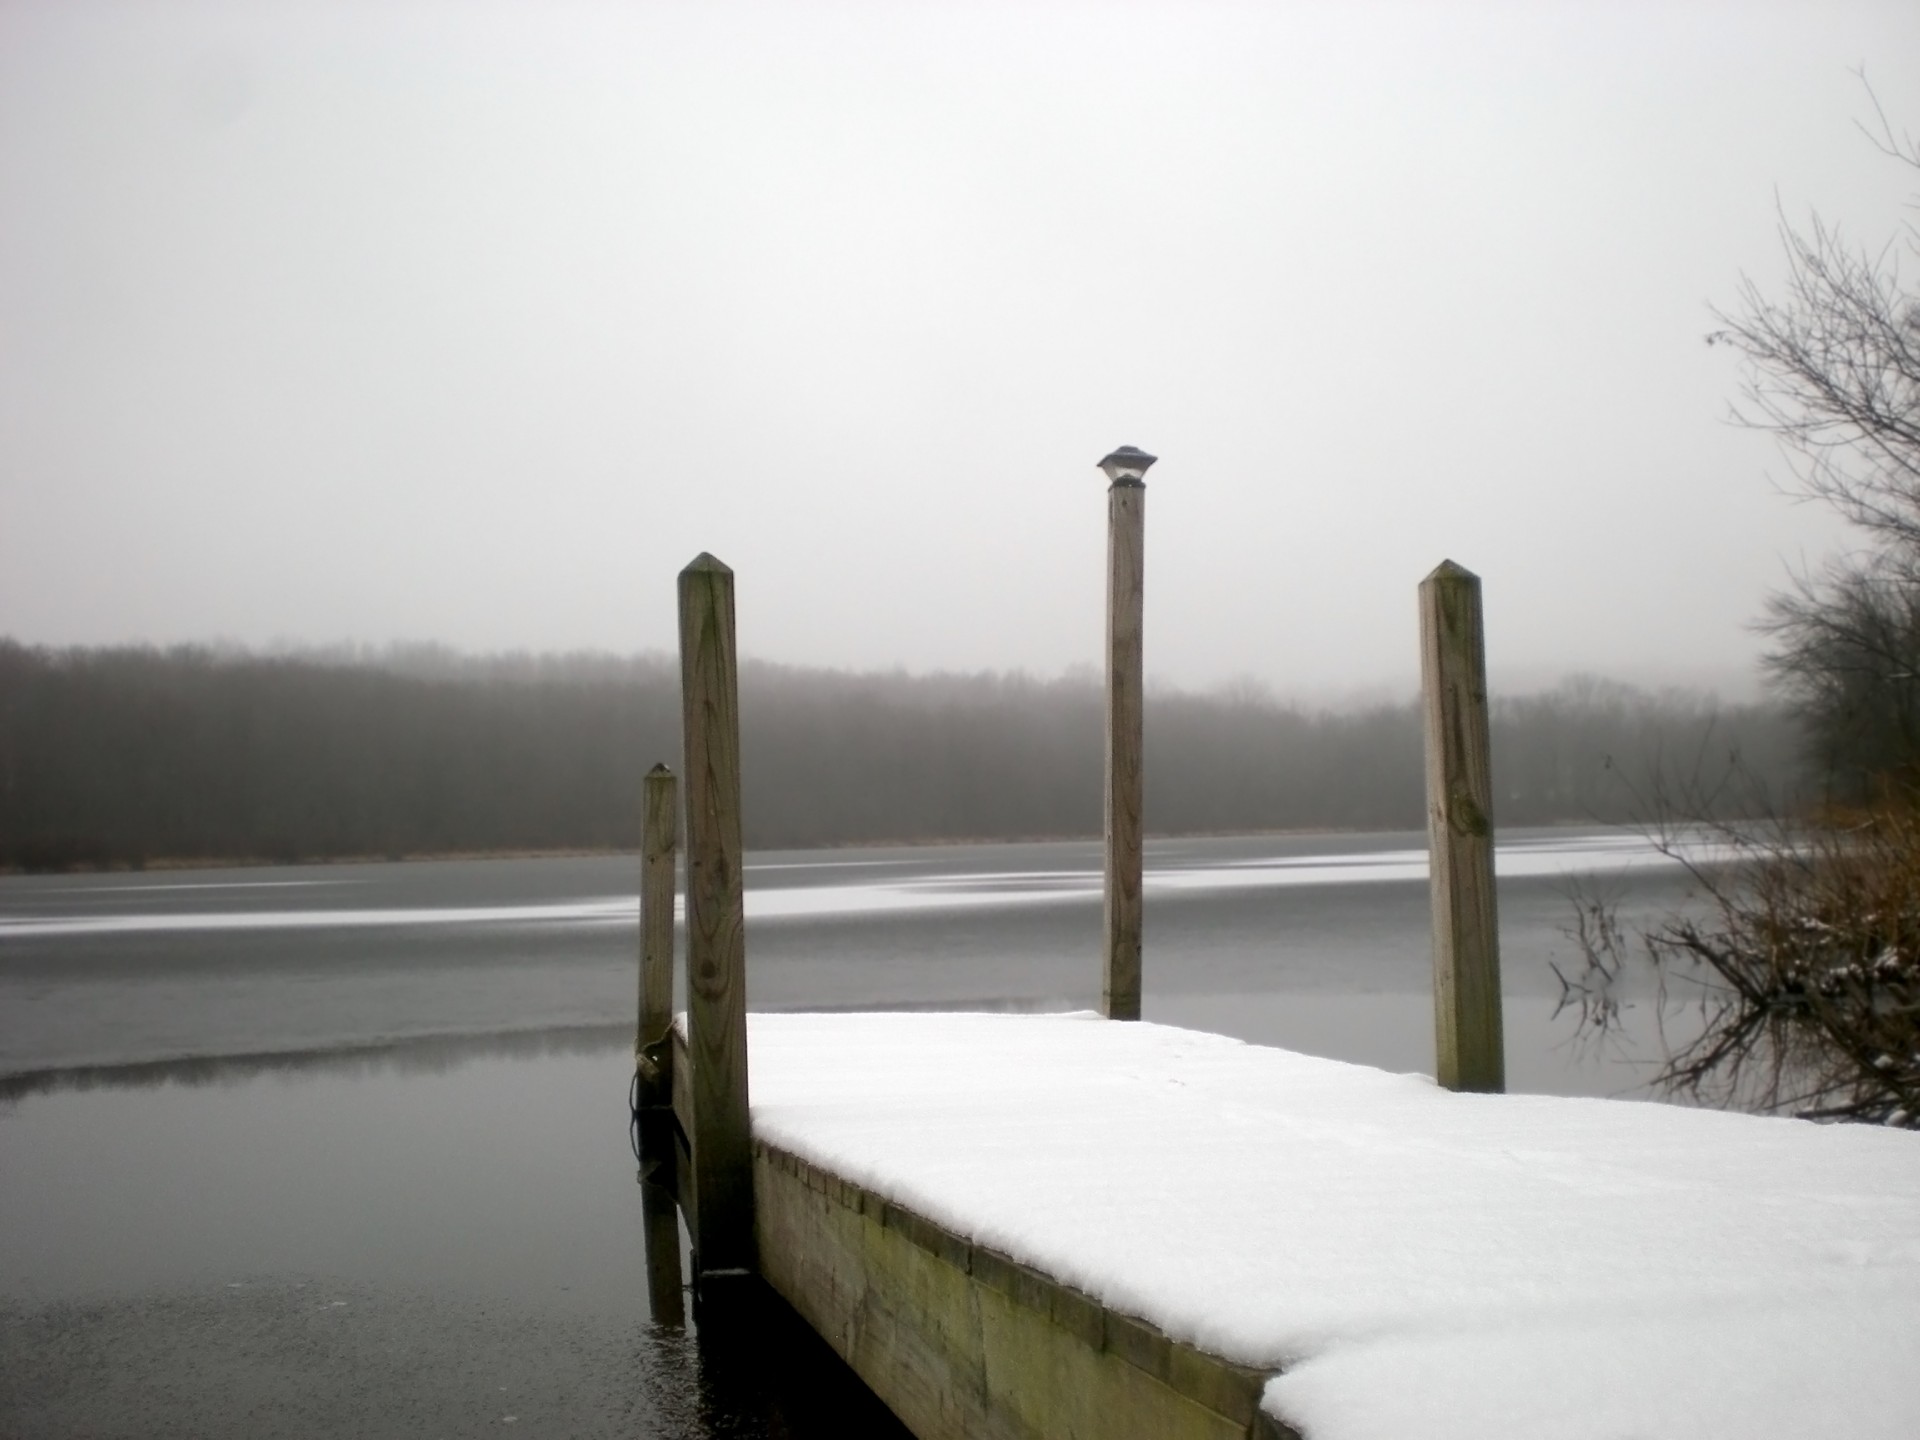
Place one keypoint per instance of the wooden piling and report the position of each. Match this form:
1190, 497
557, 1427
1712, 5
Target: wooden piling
1126, 516
665, 1293
1469, 1044
659, 829
722, 1178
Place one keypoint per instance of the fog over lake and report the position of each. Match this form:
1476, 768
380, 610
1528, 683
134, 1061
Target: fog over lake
473, 323
369, 372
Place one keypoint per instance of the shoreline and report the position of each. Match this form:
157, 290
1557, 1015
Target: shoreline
582, 852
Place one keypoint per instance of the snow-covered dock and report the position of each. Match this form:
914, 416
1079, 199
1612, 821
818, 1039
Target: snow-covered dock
1056, 1225
1067, 1226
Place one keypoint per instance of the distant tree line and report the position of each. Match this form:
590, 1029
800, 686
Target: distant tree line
124, 756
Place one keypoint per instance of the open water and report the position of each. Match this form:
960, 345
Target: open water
343, 1149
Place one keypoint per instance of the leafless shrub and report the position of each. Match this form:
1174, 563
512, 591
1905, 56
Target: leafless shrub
1806, 947
1805, 965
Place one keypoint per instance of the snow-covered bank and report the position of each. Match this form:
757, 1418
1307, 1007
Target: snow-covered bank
1420, 1262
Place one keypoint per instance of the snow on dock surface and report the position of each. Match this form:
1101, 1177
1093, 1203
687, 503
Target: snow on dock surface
1422, 1263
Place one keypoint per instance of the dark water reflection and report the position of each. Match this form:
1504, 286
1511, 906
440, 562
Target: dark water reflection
423, 1240
310, 1358
419, 1055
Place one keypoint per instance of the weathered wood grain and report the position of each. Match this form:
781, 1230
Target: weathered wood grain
1126, 573
1469, 1042
961, 1341
665, 1298
658, 854
680, 1074
716, 926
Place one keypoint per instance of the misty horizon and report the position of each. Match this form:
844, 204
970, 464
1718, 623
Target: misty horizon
132, 756
477, 321
1705, 685
1500, 675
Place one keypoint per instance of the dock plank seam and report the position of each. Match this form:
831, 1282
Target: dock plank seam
1230, 1390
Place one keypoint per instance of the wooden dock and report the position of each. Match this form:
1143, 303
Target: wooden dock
958, 1337
1070, 1226
961, 1339
1058, 1225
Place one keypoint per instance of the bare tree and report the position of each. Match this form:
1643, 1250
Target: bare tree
1807, 947
1833, 372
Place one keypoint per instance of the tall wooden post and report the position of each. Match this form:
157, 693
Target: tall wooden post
657, 855
716, 935
1469, 1043
1126, 575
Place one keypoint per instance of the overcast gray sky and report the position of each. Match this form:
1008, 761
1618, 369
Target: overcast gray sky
473, 323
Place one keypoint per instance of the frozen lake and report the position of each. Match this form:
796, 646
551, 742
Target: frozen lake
343, 1147
1317, 942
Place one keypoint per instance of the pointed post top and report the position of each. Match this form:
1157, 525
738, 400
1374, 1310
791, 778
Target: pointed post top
660, 768
705, 561
1448, 570
1128, 465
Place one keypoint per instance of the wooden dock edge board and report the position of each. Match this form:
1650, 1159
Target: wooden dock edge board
680, 1087
962, 1341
